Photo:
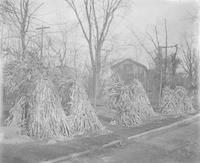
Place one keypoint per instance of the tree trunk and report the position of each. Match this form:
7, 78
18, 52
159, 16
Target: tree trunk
96, 76
98, 71
191, 79
94, 86
23, 44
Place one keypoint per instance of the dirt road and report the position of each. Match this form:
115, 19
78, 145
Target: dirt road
179, 145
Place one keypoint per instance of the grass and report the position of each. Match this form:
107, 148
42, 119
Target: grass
36, 151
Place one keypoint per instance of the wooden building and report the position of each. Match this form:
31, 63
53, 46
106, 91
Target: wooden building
129, 69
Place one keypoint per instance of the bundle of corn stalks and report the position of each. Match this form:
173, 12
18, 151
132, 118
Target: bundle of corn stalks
130, 102
19, 114
41, 116
76, 104
175, 101
48, 105
85, 119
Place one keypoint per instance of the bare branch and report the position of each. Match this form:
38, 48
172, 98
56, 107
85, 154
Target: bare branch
143, 46
73, 6
18, 12
98, 28
152, 40
189, 59
95, 20
157, 39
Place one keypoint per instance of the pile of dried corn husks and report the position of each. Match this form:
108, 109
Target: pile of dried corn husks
130, 102
41, 116
175, 101
49, 109
84, 118
76, 104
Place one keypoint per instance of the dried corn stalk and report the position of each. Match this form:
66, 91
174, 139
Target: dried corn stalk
176, 101
84, 118
51, 106
129, 102
44, 117
76, 103
18, 114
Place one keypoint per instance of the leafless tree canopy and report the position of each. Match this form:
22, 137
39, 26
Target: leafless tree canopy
165, 62
190, 59
99, 17
20, 13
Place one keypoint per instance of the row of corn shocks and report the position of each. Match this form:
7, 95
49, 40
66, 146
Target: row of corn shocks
45, 117
132, 107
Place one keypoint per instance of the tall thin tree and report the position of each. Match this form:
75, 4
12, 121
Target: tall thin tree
99, 17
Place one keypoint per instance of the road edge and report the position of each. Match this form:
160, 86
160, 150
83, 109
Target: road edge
140, 135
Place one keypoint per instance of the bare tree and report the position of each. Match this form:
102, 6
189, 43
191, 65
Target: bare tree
99, 17
155, 53
106, 53
20, 13
154, 40
189, 61
154, 48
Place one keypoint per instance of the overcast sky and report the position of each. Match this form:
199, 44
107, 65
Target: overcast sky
140, 17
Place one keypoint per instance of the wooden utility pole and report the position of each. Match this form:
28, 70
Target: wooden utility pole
166, 48
161, 68
161, 74
42, 38
2, 28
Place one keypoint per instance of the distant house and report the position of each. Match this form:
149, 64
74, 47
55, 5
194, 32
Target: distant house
129, 69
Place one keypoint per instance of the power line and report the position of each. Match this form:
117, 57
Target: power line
41, 20
51, 24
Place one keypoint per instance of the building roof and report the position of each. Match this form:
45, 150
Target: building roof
128, 59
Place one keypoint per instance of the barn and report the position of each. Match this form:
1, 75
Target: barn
129, 69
